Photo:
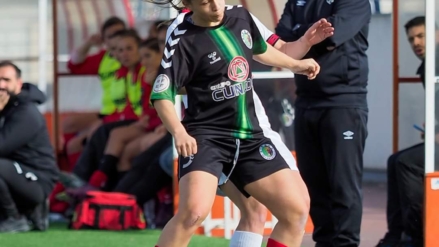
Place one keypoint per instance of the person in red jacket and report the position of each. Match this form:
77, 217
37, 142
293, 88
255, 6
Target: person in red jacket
135, 102
150, 58
102, 64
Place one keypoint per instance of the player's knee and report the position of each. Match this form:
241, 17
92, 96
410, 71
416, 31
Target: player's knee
296, 215
254, 215
192, 218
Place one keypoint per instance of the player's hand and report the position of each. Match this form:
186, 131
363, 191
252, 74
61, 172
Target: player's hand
308, 67
185, 144
318, 32
95, 40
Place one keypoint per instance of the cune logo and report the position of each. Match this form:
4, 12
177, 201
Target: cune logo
238, 69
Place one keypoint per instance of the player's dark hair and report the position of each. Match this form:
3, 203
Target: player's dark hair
11, 64
110, 22
151, 43
128, 33
166, 3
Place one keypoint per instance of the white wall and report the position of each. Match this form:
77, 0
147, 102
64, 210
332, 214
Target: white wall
411, 95
379, 141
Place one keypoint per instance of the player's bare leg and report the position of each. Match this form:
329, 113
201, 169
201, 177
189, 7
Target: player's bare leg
197, 193
290, 206
250, 229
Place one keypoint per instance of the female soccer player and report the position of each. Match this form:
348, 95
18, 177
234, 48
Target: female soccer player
208, 54
250, 229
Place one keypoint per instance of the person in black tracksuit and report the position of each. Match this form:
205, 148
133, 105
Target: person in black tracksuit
331, 115
406, 168
28, 169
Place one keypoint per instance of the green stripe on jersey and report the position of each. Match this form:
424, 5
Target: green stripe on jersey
229, 46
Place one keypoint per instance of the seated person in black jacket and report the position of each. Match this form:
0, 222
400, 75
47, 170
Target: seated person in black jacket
28, 169
406, 168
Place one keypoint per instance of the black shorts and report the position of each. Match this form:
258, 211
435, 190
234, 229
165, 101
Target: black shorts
240, 161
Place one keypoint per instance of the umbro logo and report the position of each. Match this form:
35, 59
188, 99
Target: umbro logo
348, 135
213, 57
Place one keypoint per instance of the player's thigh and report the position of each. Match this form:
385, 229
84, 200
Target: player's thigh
283, 194
206, 164
247, 205
197, 194
266, 166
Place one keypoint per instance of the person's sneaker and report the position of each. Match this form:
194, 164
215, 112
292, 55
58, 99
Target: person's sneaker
80, 193
39, 216
387, 243
14, 225
70, 180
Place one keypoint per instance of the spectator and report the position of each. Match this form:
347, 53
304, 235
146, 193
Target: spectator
153, 30
161, 35
136, 105
93, 152
147, 176
27, 164
150, 58
331, 115
406, 168
102, 64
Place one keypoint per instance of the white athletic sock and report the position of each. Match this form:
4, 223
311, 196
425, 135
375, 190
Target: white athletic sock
246, 239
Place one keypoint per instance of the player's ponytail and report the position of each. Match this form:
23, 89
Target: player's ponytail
168, 2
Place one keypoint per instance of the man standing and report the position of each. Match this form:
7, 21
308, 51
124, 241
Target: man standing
406, 168
27, 164
331, 115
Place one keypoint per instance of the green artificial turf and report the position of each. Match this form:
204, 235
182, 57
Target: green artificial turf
59, 236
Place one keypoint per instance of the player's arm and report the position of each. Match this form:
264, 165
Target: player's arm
168, 115
266, 54
275, 58
296, 49
172, 76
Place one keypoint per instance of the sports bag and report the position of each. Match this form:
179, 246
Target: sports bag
108, 211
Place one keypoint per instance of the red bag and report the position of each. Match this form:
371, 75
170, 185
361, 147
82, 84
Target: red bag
108, 211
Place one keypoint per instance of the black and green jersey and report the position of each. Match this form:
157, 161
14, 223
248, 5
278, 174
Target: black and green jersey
214, 65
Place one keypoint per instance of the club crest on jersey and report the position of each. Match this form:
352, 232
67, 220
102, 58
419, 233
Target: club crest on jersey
239, 69
247, 38
267, 151
161, 83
